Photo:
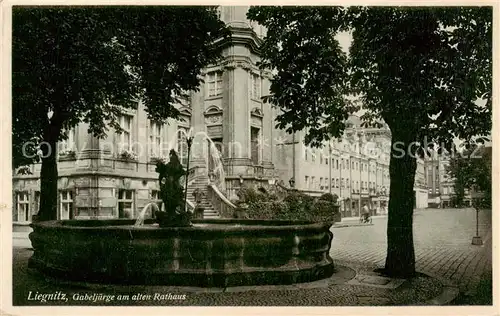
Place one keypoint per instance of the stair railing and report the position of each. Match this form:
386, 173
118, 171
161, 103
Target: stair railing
220, 202
192, 175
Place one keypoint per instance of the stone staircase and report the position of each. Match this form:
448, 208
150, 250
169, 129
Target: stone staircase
201, 183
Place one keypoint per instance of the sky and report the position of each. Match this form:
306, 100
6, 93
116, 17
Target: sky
345, 39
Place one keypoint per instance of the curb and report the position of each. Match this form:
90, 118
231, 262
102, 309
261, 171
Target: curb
449, 294
350, 225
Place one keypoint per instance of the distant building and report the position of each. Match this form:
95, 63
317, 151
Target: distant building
441, 189
354, 167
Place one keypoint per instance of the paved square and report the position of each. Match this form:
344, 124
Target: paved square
442, 240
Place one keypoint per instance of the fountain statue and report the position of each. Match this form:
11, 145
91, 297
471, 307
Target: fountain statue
173, 249
175, 213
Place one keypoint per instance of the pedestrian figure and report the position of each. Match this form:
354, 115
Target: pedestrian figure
365, 214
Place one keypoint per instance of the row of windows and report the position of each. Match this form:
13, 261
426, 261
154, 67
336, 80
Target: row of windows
344, 164
214, 85
126, 138
324, 183
446, 190
125, 206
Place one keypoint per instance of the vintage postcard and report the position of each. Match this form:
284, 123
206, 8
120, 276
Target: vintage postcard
333, 159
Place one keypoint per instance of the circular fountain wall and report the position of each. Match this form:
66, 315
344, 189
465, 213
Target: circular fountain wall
211, 253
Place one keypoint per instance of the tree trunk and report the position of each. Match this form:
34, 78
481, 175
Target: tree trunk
48, 176
400, 260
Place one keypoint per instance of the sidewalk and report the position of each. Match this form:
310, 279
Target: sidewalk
21, 240
355, 219
349, 286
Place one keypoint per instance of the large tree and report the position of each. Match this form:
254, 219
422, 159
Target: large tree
422, 70
88, 63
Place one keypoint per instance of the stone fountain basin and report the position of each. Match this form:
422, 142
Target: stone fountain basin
211, 253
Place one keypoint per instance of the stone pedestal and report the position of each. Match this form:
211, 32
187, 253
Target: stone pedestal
477, 241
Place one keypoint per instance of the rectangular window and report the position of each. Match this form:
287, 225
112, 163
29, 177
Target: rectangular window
182, 147
306, 180
36, 207
125, 138
342, 183
337, 182
155, 195
69, 143
305, 154
23, 207
320, 158
313, 155
255, 145
255, 91
155, 131
320, 182
337, 163
313, 183
126, 204
214, 83
66, 207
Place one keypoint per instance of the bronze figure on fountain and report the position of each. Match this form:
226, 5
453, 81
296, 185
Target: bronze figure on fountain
175, 213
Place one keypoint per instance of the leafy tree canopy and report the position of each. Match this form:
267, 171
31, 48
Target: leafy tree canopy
420, 69
88, 63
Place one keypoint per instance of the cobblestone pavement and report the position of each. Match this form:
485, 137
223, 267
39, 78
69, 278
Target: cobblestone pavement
335, 291
442, 245
442, 240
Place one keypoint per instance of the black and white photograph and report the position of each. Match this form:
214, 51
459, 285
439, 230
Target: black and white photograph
182, 155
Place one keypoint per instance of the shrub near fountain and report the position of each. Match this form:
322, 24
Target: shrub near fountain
206, 253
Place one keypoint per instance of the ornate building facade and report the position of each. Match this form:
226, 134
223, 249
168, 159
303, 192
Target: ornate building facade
235, 144
115, 177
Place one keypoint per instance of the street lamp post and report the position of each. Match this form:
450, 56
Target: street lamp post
293, 160
189, 141
476, 240
330, 164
